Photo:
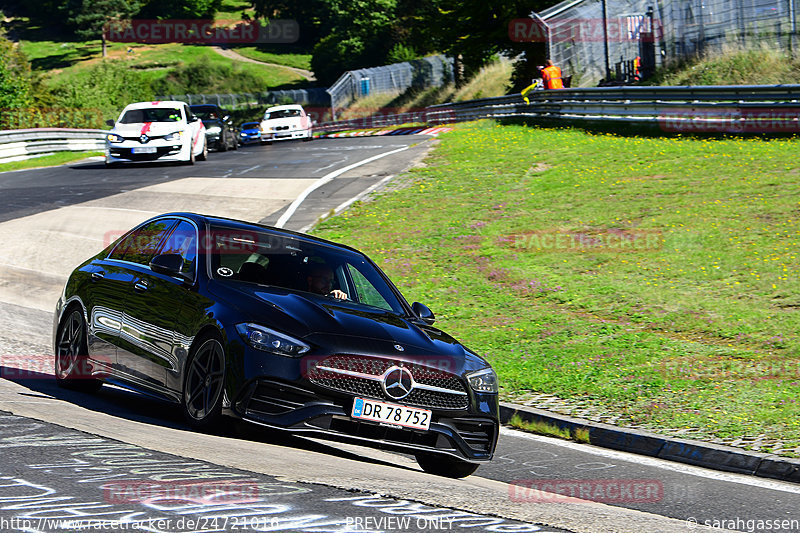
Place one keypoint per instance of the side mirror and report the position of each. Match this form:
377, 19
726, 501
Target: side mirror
194, 118
168, 264
423, 312
110, 122
226, 118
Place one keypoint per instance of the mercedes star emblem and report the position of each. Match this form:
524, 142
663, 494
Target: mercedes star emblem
397, 383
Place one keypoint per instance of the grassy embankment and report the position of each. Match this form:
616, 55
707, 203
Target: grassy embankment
492, 80
656, 278
757, 65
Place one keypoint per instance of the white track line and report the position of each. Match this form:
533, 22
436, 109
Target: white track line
682, 468
325, 179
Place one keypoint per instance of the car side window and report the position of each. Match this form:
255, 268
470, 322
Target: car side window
141, 245
188, 113
183, 241
366, 292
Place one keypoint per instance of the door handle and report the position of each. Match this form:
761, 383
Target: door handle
98, 275
140, 285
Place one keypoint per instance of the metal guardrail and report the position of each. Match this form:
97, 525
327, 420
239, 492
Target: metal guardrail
16, 145
692, 109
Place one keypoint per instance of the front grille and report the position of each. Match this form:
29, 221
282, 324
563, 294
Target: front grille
433, 388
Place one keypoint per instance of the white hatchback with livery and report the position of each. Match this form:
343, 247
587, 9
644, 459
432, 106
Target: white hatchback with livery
156, 131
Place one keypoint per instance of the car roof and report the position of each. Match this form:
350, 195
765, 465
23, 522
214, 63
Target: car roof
155, 104
241, 224
282, 107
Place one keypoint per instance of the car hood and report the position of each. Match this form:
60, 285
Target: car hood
288, 121
208, 122
151, 129
343, 327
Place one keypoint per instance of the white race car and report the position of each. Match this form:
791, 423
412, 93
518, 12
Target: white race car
156, 131
284, 122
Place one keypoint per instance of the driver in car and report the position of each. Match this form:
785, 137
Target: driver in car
320, 281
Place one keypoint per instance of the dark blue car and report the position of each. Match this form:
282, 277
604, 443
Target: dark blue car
249, 133
276, 328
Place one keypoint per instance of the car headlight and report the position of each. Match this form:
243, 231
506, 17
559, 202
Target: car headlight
243, 134
213, 129
173, 136
270, 340
114, 138
483, 380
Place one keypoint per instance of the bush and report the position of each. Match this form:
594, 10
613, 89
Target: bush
204, 76
15, 86
100, 92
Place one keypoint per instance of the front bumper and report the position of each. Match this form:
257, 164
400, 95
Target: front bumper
283, 393
163, 151
285, 135
302, 410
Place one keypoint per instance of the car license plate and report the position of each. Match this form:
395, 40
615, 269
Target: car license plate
389, 413
145, 150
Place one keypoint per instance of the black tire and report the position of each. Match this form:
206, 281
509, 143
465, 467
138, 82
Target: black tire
71, 366
204, 383
222, 146
204, 154
445, 466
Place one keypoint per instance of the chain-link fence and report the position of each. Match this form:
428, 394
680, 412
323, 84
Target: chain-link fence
430, 71
600, 40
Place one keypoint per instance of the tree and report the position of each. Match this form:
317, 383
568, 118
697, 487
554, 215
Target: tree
179, 9
313, 16
90, 17
361, 36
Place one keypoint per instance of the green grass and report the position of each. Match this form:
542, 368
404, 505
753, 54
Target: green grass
550, 430
756, 65
278, 54
153, 62
492, 80
233, 9
511, 235
60, 158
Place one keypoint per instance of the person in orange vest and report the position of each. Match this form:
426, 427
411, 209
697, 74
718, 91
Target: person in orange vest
551, 75
637, 65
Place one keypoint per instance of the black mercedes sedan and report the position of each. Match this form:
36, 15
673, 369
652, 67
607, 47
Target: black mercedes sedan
228, 318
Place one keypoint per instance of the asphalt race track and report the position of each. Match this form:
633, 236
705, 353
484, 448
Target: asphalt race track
71, 456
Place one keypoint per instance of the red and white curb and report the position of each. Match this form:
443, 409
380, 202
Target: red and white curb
401, 131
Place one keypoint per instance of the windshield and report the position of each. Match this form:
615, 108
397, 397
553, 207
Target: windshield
249, 126
156, 114
241, 255
206, 113
282, 113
